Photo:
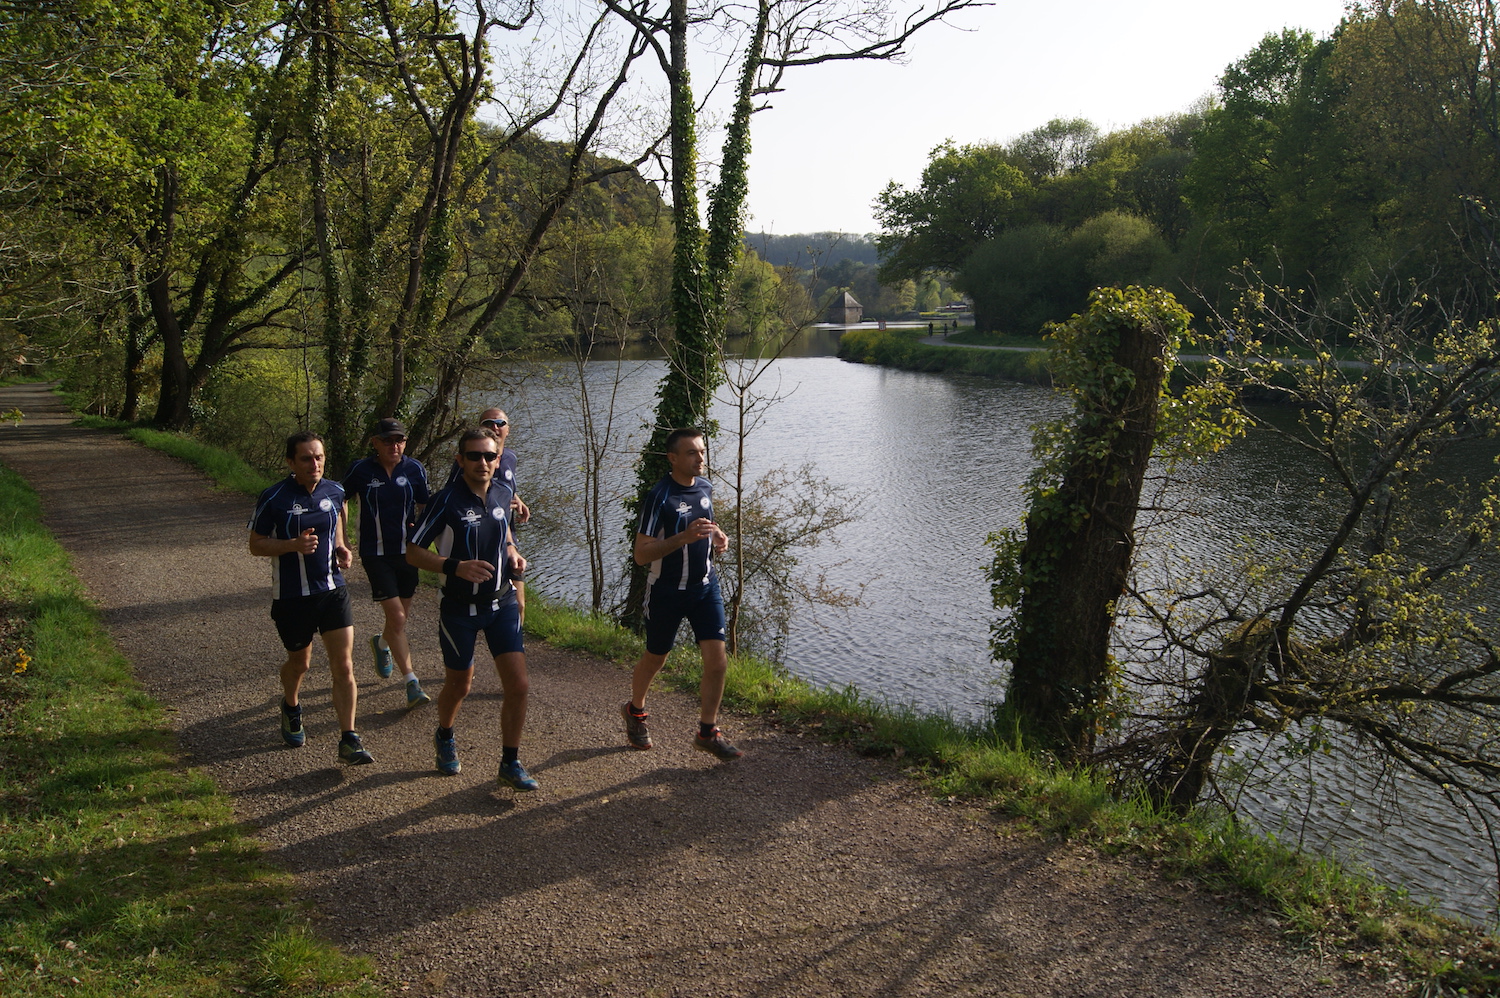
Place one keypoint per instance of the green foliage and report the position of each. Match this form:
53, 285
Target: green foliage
966, 196
899, 348
125, 872
253, 401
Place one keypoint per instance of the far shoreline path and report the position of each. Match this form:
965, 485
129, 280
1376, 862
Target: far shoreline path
797, 870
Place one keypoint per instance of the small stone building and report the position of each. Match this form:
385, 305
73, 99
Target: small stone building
845, 310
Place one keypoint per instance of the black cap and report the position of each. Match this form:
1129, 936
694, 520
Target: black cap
390, 428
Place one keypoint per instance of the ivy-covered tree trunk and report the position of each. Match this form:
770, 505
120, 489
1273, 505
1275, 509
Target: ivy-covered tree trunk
1080, 528
702, 265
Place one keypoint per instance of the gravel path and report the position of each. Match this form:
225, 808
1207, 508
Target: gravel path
797, 870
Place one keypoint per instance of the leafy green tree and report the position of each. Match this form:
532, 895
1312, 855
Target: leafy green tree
1420, 83
967, 195
1371, 639
167, 150
1059, 147
1036, 274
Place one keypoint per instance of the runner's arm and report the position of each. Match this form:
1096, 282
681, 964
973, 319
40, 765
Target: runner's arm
649, 549
273, 547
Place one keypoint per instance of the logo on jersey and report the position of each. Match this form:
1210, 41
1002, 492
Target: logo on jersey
298, 509
704, 502
683, 507
497, 513
376, 483
400, 479
326, 505
470, 516
508, 475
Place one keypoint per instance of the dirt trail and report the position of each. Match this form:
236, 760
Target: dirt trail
798, 870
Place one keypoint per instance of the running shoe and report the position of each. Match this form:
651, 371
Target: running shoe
415, 696
292, 731
383, 663
716, 746
352, 750
515, 774
447, 754
636, 732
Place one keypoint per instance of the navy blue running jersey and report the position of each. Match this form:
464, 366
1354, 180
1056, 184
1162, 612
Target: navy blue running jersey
387, 503
282, 513
667, 510
465, 528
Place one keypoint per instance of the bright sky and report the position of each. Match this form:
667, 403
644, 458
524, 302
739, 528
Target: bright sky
841, 132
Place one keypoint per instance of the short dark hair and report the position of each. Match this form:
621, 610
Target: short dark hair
677, 436
478, 433
298, 439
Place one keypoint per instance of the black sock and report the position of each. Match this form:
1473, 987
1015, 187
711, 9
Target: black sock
444, 732
706, 730
509, 754
349, 736
289, 710
638, 711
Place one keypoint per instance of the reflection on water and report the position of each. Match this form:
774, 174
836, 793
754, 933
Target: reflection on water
940, 462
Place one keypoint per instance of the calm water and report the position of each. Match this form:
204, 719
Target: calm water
939, 462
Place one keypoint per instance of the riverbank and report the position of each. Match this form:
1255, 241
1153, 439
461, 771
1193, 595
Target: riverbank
904, 349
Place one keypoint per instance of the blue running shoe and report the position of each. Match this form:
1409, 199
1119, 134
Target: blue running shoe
383, 663
447, 754
415, 696
292, 731
515, 774
352, 750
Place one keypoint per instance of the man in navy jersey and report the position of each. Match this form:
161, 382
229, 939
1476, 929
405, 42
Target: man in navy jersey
389, 486
469, 522
298, 523
677, 537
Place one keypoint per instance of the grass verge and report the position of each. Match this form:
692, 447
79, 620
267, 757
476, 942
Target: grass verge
121, 872
226, 469
899, 348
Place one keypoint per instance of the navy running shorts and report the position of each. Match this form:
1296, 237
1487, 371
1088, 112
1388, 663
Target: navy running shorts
391, 576
298, 618
460, 624
703, 607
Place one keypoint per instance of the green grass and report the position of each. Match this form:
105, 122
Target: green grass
227, 470
970, 336
899, 348
122, 873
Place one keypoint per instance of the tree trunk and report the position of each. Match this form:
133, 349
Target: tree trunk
1177, 779
1077, 561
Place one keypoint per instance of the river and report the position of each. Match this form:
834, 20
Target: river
939, 461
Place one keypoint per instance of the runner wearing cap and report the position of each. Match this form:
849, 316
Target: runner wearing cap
390, 488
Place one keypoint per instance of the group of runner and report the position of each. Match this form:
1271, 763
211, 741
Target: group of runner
465, 532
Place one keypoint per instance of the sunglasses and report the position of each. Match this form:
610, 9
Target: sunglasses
494, 423
482, 455
391, 440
